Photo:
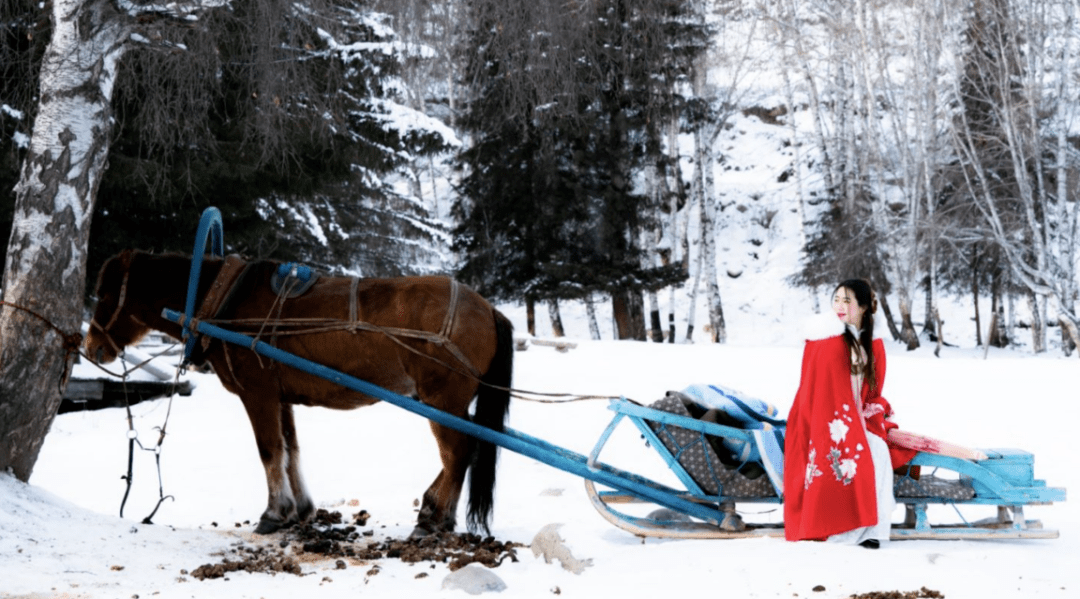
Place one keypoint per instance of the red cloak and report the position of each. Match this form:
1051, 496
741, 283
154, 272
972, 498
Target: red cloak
828, 471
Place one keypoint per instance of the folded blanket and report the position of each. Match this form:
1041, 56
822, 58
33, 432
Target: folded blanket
926, 444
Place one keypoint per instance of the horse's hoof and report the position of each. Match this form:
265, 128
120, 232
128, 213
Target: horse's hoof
423, 531
420, 532
268, 525
305, 512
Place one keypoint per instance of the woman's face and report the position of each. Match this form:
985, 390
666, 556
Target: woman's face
846, 307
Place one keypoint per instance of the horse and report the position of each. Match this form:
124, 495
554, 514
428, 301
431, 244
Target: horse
427, 337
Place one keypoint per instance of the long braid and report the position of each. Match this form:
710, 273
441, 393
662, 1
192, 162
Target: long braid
866, 298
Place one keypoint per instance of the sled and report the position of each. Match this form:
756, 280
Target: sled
705, 506
1004, 480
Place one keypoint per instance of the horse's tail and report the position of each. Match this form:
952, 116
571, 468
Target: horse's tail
492, 406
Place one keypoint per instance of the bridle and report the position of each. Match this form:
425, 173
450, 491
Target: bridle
115, 315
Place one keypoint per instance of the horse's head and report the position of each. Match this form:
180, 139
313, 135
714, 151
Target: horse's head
113, 327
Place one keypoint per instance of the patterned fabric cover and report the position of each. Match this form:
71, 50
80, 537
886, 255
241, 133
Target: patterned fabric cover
700, 461
932, 487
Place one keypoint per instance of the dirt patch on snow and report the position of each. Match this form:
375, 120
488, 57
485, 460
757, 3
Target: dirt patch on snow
328, 536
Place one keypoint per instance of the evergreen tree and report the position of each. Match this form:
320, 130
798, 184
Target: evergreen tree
568, 222
285, 119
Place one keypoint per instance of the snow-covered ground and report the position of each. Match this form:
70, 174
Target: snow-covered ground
61, 536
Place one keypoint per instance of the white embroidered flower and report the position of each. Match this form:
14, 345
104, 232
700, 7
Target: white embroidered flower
847, 469
812, 470
837, 430
858, 447
846, 407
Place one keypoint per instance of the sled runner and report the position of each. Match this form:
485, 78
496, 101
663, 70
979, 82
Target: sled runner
710, 460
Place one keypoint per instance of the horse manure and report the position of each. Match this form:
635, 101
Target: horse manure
457, 550
327, 518
327, 535
923, 593
252, 559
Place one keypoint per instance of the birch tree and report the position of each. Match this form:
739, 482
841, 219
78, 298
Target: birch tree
45, 269
1003, 140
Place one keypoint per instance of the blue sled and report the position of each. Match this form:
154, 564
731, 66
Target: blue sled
1005, 480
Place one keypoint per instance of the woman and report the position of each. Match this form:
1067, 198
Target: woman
838, 467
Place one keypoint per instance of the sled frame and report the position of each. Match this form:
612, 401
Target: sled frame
992, 489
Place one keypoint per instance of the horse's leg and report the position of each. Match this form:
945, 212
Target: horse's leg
304, 506
265, 412
438, 511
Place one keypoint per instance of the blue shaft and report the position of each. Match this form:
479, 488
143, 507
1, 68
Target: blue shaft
518, 442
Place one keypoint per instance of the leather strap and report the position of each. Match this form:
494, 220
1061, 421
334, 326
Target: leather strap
231, 270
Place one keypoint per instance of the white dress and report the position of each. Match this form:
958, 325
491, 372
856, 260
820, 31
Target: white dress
883, 479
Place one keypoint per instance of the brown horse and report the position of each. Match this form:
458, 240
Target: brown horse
460, 334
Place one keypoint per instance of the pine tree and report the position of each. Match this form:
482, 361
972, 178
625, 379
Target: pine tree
573, 220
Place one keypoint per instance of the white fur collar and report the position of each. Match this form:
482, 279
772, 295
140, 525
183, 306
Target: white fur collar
823, 326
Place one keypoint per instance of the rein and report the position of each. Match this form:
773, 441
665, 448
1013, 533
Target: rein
311, 326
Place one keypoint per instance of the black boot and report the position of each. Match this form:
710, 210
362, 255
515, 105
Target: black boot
871, 544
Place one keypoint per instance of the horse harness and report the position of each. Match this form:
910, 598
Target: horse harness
287, 286
115, 315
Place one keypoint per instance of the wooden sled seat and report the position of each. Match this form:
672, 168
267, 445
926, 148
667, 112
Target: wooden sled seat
711, 465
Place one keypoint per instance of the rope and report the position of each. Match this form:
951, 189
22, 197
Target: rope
326, 325
71, 342
133, 439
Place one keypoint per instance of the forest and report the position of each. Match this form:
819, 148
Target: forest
548, 151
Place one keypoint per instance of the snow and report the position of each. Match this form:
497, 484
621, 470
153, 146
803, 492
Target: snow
61, 536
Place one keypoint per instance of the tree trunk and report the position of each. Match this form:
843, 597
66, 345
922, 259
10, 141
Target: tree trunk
530, 315
1010, 321
975, 293
45, 270
590, 311
655, 328
907, 327
887, 311
997, 336
928, 322
692, 310
556, 318
628, 311
1070, 335
671, 316
938, 333
708, 242
677, 241
1038, 325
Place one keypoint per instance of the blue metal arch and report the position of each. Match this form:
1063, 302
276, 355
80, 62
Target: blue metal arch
210, 231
